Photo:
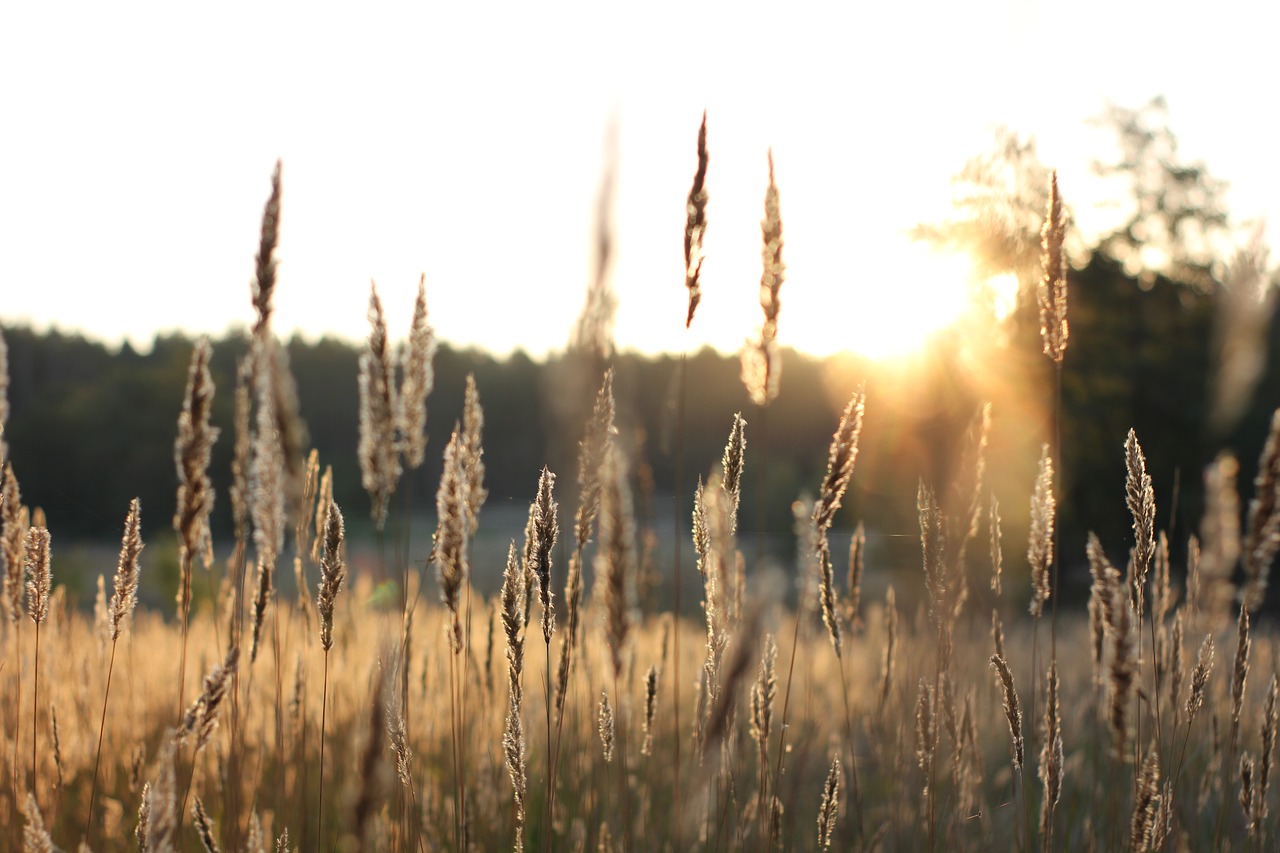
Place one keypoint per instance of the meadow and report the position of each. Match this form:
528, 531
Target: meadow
399, 708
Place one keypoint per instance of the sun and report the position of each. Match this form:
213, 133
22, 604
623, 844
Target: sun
901, 297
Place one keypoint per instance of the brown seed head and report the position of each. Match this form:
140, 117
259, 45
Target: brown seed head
415, 387
333, 570
544, 515
191, 454
829, 806
696, 226
39, 577
591, 457
264, 281
1239, 673
379, 462
841, 457
1142, 506
1146, 802
1053, 284
473, 453
731, 465
451, 534
1263, 531
13, 543
605, 724
1040, 539
615, 559
1012, 710
125, 596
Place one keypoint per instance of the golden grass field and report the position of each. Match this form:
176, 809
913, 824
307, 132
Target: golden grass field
398, 708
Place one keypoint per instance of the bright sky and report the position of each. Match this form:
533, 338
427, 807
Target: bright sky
466, 141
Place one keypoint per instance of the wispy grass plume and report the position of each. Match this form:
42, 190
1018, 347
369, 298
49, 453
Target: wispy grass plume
123, 600
379, 461
191, 453
1040, 539
1052, 294
761, 364
1262, 536
696, 226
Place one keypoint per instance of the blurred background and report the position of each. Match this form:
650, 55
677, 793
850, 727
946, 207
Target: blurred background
533, 162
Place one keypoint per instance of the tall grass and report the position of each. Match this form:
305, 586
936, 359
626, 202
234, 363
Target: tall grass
905, 741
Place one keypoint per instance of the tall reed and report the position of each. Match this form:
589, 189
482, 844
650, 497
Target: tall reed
39, 585
333, 570
123, 600
453, 568
191, 453
694, 233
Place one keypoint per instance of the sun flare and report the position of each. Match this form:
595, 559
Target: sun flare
911, 293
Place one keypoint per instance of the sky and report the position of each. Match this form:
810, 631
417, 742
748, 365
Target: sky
467, 142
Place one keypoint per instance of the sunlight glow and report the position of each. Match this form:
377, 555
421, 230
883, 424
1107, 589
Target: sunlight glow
916, 293
1004, 292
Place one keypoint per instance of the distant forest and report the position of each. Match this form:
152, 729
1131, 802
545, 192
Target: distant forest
92, 427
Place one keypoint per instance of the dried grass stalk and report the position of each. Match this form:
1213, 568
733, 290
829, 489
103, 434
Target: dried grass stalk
829, 806
267, 484
125, 596
544, 519
1249, 794
13, 540
650, 708
857, 564
1146, 802
513, 742
35, 838
242, 454
333, 571
997, 632
931, 551
695, 227
1263, 531
1123, 671
615, 559
761, 365
4, 397
591, 458
731, 466
205, 829
1012, 710
926, 731
1051, 759
841, 457
451, 535
1140, 498
201, 719
161, 803
1040, 539
379, 462
1219, 537
191, 454
416, 384
1053, 284
890, 643
263, 286
1199, 679
827, 595
1268, 738
38, 574
1239, 675
605, 726
473, 453
997, 556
